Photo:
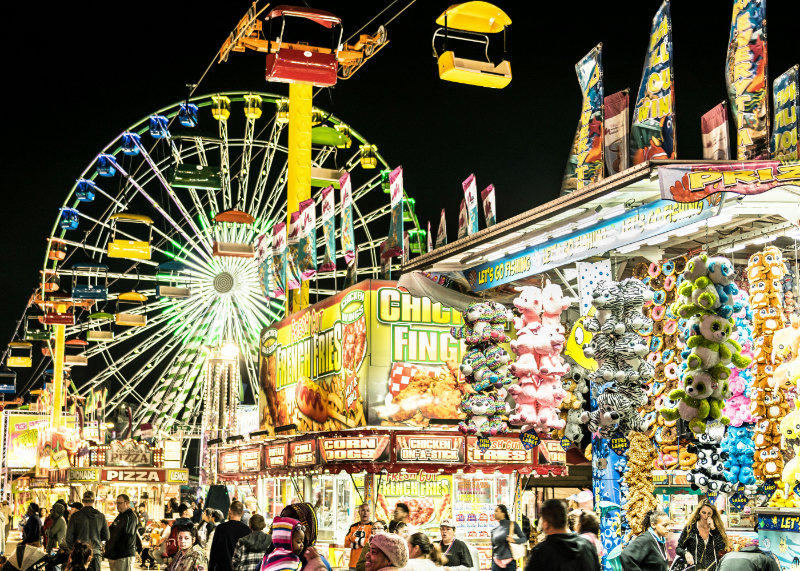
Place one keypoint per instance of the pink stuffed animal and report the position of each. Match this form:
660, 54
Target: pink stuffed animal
548, 343
524, 346
525, 398
553, 303
529, 304
548, 398
737, 408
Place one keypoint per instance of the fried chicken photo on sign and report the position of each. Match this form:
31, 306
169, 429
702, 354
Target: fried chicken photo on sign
432, 397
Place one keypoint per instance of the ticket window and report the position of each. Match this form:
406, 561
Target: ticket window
475, 498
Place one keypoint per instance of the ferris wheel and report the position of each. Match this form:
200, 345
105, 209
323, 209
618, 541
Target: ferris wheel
152, 262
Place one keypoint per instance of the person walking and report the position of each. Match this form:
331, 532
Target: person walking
750, 558
226, 536
190, 555
251, 548
9, 513
206, 530
55, 534
358, 534
423, 555
32, 531
648, 552
158, 547
250, 509
588, 527
456, 551
504, 533
90, 526
387, 552
703, 541
121, 546
562, 550
377, 527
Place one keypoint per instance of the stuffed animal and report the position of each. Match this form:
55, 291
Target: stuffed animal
608, 301
477, 326
553, 303
545, 342
529, 305
548, 397
606, 418
474, 365
525, 395
483, 414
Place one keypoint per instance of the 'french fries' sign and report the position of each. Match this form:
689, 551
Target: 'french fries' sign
504, 450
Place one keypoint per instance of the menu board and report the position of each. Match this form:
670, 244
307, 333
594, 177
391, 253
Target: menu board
428, 497
503, 450
475, 502
275, 456
250, 460
229, 462
303, 453
355, 449
433, 449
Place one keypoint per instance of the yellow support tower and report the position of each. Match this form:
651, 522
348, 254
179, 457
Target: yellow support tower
58, 376
299, 181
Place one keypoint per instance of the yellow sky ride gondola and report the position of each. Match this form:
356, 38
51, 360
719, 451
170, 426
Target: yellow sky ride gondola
476, 19
20, 354
126, 303
131, 249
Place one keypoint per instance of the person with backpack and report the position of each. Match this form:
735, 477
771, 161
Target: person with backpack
121, 547
90, 526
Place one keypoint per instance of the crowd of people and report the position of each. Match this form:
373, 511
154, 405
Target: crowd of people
76, 537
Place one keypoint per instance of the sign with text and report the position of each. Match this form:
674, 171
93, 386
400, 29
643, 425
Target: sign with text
250, 460
689, 183
356, 449
129, 453
22, 439
428, 497
434, 449
177, 476
84, 474
503, 450
637, 224
229, 462
275, 456
120, 475
303, 453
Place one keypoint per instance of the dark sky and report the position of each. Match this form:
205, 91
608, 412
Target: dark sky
77, 74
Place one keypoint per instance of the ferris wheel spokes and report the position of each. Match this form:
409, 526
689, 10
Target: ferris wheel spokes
225, 173
266, 166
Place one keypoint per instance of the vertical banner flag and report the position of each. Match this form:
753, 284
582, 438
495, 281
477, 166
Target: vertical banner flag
430, 238
386, 262
616, 131
308, 240
746, 78
348, 237
489, 205
328, 230
714, 128
293, 244
786, 93
585, 164
653, 128
462, 220
264, 253
471, 198
441, 235
279, 260
351, 276
394, 242
406, 247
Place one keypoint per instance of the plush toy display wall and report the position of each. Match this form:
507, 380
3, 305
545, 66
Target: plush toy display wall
485, 367
638, 483
539, 366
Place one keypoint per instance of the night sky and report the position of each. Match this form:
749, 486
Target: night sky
77, 74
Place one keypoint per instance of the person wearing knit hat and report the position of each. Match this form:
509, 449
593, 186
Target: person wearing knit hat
287, 538
305, 514
387, 552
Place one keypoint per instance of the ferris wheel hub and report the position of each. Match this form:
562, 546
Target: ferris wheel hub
224, 282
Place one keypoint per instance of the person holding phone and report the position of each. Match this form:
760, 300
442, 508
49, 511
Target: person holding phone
703, 541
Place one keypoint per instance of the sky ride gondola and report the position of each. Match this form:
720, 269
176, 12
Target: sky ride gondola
101, 335
35, 329
86, 190
177, 288
20, 354
96, 284
58, 249
130, 144
127, 303
8, 383
235, 219
187, 115
132, 249
69, 218
72, 357
52, 282
472, 21
106, 165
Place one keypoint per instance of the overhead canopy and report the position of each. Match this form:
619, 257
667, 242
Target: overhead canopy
132, 296
101, 315
128, 217
173, 267
235, 216
480, 17
319, 16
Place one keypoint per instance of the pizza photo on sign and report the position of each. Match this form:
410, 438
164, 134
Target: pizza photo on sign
418, 394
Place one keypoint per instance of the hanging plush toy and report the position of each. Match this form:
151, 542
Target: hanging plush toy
639, 499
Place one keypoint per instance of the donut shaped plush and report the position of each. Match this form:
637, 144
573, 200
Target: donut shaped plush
669, 283
669, 314
658, 312
646, 281
656, 344
658, 328
640, 270
667, 356
659, 297
671, 371
668, 268
646, 330
680, 264
657, 282
670, 327
658, 389
654, 358
654, 270
687, 460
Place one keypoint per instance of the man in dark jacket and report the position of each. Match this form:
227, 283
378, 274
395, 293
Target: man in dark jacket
186, 516
562, 550
90, 526
457, 552
749, 558
121, 547
32, 532
648, 552
226, 536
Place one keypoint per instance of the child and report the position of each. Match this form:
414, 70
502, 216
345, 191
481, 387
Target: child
287, 537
